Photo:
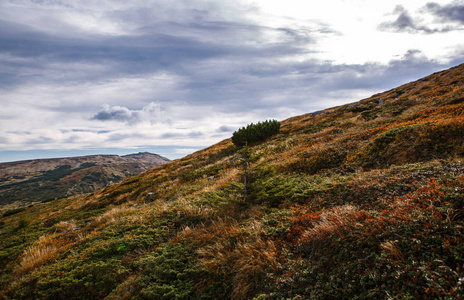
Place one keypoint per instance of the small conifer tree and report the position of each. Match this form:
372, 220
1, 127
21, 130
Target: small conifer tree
254, 133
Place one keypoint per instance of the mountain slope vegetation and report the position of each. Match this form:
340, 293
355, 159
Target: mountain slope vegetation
359, 201
24, 182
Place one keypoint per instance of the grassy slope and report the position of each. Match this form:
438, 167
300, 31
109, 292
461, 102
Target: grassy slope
363, 200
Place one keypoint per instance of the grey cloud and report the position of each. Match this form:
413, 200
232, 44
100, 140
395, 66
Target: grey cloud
450, 12
317, 80
150, 113
216, 59
195, 134
91, 131
412, 65
40, 140
20, 132
170, 135
298, 85
173, 39
192, 134
404, 22
85, 130
29, 55
123, 136
225, 128
114, 113
158, 50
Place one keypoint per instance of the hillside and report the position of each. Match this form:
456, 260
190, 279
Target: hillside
25, 182
359, 201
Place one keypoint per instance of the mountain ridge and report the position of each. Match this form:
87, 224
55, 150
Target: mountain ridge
52, 177
129, 157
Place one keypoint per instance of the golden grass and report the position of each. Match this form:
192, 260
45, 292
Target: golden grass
239, 250
111, 216
65, 226
36, 256
220, 180
330, 222
251, 261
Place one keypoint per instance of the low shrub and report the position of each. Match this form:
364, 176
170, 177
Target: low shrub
254, 133
13, 211
168, 273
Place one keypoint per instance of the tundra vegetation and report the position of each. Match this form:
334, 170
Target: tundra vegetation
358, 201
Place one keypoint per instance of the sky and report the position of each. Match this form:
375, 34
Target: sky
80, 77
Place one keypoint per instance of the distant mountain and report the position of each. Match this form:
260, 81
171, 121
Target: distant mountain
23, 182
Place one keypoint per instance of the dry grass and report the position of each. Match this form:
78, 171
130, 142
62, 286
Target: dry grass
240, 251
111, 216
247, 260
195, 210
222, 179
251, 261
330, 222
36, 256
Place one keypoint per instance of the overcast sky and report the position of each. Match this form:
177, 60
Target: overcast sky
83, 77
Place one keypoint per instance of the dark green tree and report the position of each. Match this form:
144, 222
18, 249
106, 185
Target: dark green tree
254, 133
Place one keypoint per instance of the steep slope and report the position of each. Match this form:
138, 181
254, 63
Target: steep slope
24, 182
359, 201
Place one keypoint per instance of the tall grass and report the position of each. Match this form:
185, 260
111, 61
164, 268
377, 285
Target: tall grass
330, 222
38, 255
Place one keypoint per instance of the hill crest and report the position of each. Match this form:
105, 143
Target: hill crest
26, 181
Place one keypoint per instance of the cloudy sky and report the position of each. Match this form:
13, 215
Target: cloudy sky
83, 77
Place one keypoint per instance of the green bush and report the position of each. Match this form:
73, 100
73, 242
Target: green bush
254, 133
13, 211
168, 273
